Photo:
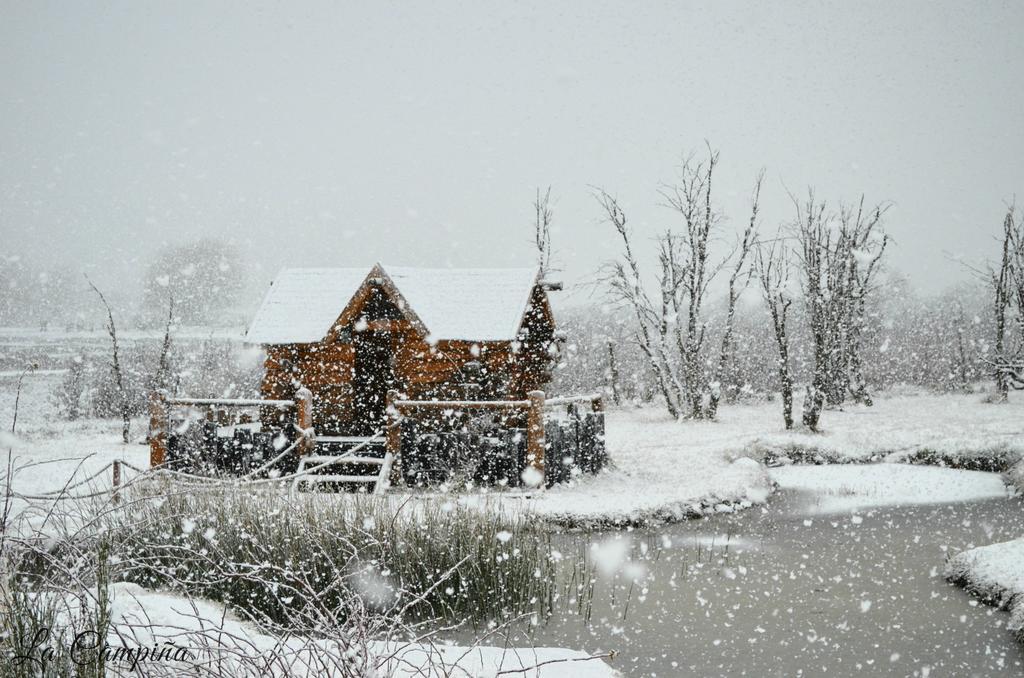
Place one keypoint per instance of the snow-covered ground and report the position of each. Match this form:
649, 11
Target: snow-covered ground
898, 426
994, 573
842, 488
213, 636
665, 469
662, 469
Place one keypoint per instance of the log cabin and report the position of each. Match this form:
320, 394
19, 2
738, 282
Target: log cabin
349, 336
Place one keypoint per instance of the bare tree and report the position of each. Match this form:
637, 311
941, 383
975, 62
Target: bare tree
862, 247
1005, 281
115, 365
772, 264
812, 231
162, 378
670, 327
163, 367
839, 256
1001, 280
613, 373
961, 351
738, 281
542, 229
625, 284
1014, 224
686, 262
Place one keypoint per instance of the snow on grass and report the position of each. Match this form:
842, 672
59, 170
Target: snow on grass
994, 573
662, 471
666, 469
845, 487
147, 618
951, 427
73, 455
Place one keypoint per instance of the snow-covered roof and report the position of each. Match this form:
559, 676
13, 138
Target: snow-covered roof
477, 304
303, 303
471, 304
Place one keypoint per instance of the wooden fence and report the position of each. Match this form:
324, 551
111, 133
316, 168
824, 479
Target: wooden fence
160, 407
531, 409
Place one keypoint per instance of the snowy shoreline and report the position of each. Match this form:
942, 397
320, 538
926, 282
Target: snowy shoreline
995, 574
666, 470
190, 631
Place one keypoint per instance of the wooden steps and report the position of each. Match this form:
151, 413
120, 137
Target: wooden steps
363, 459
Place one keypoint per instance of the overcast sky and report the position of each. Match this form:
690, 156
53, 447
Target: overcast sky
345, 133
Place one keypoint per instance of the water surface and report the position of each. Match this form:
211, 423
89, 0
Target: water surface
782, 591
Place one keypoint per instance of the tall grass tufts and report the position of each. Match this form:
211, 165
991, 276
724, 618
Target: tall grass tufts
282, 559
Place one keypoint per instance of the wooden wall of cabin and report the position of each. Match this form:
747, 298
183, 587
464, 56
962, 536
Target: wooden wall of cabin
325, 368
507, 370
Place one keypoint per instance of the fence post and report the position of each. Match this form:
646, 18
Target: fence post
393, 436
304, 419
535, 434
116, 482
157, 427
597, 404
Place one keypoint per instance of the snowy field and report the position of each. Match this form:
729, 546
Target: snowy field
898, 426
661, 469
666, 469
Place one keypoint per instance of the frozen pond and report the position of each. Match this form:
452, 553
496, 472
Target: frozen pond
789, 590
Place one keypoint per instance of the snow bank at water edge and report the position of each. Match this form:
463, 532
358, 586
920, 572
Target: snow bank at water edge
957, 430
143, 618
661, 472
846, 487
994, 573
1016, 475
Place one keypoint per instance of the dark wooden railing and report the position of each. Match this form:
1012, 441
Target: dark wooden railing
533, 406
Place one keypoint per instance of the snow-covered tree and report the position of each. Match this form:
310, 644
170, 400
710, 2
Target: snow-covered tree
670, 327
839, 255
1007, 282
772, 264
